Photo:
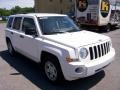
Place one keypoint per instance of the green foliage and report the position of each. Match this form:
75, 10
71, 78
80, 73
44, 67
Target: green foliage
2, 22
15, 10
4, 12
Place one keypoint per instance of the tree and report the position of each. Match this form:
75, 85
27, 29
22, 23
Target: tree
16, 10
4, 12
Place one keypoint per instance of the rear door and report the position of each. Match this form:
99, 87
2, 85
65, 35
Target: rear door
15, 32
9, 31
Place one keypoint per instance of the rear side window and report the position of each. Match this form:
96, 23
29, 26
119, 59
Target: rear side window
9, 25
17, 23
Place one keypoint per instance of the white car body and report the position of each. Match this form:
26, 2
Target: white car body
62, 46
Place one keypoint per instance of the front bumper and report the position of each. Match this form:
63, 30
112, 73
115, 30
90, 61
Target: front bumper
87, 69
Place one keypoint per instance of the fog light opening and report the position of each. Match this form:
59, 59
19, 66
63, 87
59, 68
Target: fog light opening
79, 70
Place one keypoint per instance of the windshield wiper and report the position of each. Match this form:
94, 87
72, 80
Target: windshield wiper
60, 31
73, 30
56, 32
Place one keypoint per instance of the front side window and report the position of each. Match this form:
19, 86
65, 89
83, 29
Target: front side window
17, 23
9, 25
60, 24
28, 23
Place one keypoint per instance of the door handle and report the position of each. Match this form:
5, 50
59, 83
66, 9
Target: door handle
21, 36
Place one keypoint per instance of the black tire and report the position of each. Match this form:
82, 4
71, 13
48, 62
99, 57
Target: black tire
108, 28
57, 77
10, 48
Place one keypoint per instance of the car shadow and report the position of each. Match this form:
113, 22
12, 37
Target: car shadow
30, 70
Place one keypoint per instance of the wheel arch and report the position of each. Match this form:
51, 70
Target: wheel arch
7, 39
45, 54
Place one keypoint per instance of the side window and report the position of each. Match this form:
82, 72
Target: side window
28, 23
9, 24
17, 22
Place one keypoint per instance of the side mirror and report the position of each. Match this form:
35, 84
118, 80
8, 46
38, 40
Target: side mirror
30, 31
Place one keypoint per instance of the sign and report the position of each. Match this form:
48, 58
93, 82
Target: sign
82, 5
105, 7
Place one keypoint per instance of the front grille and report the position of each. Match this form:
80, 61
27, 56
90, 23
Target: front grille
99, 50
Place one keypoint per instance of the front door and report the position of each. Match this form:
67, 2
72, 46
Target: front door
29, 43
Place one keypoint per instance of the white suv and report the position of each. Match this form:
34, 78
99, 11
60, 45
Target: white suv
63, 50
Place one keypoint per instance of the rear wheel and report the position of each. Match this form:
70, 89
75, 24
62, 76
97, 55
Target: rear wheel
10, 48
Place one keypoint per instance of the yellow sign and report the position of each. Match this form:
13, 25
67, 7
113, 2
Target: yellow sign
105, 7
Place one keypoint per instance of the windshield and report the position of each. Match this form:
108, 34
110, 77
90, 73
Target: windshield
57, 24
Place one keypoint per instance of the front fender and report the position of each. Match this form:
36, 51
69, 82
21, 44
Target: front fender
55, 51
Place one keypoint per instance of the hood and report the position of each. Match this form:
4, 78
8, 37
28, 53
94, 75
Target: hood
77, 39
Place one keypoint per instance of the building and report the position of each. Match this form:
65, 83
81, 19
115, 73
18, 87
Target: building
53, 6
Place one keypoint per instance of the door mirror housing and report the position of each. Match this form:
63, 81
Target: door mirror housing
30, 31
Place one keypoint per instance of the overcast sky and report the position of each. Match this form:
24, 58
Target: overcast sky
8, 4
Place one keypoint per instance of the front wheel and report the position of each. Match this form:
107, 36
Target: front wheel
52, 70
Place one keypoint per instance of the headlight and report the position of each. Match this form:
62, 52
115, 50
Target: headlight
83, 53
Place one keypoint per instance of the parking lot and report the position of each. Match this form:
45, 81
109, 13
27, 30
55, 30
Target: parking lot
18, 73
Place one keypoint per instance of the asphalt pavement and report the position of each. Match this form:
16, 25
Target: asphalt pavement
18, 73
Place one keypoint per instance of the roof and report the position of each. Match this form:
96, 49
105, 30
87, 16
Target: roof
40, 14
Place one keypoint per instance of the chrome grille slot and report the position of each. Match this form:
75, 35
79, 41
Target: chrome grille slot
99, 50
102, 49
107, 46
95, 51
91, 53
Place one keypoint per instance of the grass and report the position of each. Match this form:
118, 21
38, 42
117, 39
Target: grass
2, 21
